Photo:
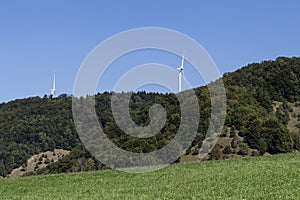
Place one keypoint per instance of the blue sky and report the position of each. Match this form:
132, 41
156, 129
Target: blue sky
37, 37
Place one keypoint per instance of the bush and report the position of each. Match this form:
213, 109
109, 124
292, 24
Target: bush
232, 133
262, 146
255, 153
296, 141
223, 134
188, 151
227, 149
243, 149
47, 161
216, 153
195, 151
235, 142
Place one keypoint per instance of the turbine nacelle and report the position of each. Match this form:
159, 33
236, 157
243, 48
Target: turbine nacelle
180, 69
52, 91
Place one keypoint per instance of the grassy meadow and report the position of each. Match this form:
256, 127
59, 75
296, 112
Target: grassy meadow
272, 177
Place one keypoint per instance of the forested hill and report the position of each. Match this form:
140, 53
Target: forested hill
273, 80
263, 101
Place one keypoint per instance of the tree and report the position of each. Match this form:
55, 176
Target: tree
243, 149
90, 164
216, 153
296, 141
262, 146
227, 149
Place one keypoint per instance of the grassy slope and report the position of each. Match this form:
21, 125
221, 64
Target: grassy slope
274, 177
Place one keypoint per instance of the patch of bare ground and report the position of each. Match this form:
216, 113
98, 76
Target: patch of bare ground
294, 118
276, 104
189, 158
39, 161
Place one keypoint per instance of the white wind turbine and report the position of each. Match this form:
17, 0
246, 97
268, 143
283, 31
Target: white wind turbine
53, 90
180, 69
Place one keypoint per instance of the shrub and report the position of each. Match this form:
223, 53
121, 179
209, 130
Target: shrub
195, 151
296, 141
262, 146
216, 153
223, 134
235, 142
47, 161
188, 151
243, 149
255, 153
232, 133
227, 149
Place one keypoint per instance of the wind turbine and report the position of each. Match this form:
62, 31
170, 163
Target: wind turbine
180, 69
52, 90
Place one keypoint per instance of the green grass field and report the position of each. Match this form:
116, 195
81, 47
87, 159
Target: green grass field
273, 177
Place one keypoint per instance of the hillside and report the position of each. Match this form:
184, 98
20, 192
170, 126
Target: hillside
39, 161
262, 117
272, 177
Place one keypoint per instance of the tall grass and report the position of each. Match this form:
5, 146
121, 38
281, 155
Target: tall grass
273, 177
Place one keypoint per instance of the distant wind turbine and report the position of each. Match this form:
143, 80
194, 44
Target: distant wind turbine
53, 90
180, 69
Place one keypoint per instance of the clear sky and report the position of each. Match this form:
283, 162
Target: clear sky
37, 37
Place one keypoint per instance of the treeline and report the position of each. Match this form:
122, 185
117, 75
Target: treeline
34, 125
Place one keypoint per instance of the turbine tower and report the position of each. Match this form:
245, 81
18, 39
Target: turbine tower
180, 69
52, 90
